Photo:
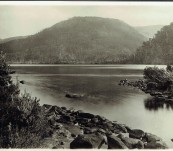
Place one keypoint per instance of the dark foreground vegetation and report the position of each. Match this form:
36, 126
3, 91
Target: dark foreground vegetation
26, 124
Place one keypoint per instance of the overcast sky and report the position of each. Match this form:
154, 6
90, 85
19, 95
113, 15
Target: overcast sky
17, 20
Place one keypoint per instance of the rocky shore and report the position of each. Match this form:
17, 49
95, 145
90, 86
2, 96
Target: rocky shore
77, 129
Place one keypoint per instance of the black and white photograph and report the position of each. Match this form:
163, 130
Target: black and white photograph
86, 75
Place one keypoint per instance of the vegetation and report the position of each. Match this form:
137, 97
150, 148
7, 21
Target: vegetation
158, 50
22, 121
156, 81
77, 40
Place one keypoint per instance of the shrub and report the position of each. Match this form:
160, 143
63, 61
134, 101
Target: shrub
22, 120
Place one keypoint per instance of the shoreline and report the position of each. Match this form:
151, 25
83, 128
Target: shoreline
78, 129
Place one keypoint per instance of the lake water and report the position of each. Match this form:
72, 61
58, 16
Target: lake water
103, 95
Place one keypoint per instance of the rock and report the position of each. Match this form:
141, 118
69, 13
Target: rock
68, 118
136, 133
61, 143
115, 142
154, 142
119, 128
87, 141
131, 143
88, 130
102, 131
95, 120
83, 120
86, 115
156, 145
73, 135
63, 108
54, 109
172, 139
47, 106
150, 137
73, 95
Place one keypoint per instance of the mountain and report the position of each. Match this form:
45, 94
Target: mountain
149, 31
158, 50
11, 38
77, 40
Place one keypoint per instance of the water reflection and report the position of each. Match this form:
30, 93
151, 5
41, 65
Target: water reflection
154, 104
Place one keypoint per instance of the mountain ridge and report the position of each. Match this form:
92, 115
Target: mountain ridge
77, 40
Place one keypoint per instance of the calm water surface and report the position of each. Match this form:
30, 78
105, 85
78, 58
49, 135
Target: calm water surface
103, 95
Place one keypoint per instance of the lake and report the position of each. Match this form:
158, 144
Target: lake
102, 94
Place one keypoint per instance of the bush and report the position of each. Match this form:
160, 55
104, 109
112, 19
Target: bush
22, 120
158, 76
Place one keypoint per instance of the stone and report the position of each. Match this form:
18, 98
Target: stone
47, 106
131, 143
86, 115
95, 120
69, 118
73, 135
102, 131
87, 141
136, 133
88, 130
156, 145
119, 128
150, 137
115, 142
83, 120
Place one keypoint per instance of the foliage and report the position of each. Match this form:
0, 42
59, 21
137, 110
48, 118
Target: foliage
77, 40
162, 78
22, 120
158, 50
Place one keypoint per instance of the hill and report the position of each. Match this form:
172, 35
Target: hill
158, 50
11, 38
77, 40
149, 31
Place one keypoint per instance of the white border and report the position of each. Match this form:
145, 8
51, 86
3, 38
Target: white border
82, 3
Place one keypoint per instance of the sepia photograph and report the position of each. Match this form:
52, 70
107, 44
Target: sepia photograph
86, 75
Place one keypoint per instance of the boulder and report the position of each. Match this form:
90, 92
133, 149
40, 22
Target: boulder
86, 115
88, 130
131, 143
115, 142
87, 141
68, 118
47, 106
150, 137
136, 133
156, 145
154, 142
119, 128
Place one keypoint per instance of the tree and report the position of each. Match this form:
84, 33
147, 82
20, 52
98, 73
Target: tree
22, 120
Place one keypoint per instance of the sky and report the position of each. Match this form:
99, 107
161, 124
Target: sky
19, 19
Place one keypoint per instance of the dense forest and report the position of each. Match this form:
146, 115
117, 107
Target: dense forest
158, 50
77, 40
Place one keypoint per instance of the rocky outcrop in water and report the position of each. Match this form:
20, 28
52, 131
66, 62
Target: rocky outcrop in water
76, 129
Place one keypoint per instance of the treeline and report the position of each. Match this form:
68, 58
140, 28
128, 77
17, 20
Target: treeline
77, 40
158, 50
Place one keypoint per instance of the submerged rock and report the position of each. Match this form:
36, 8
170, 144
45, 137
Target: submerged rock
74, 95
